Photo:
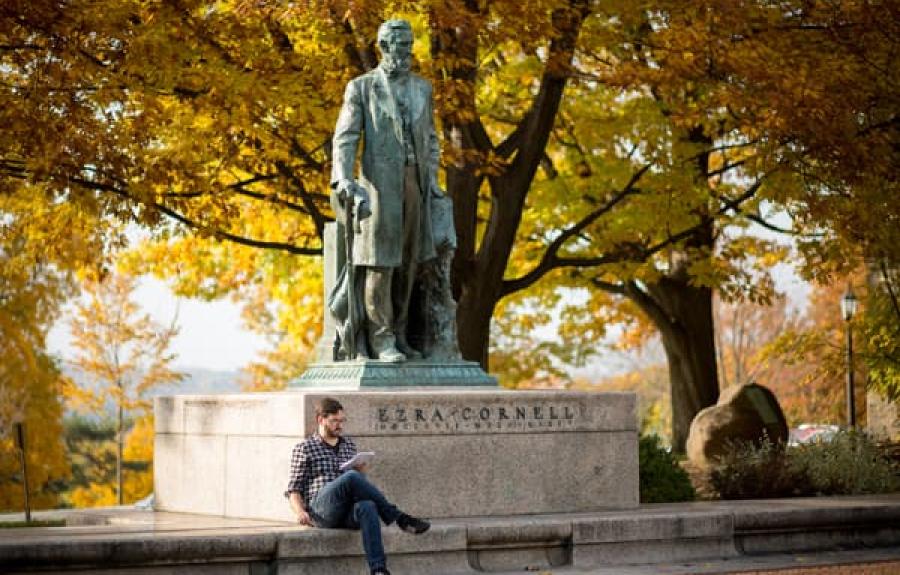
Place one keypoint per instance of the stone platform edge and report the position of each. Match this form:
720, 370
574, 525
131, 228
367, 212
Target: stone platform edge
652, 534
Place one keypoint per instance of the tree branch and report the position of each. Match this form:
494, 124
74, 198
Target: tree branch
735, 203
770, 226
725, 168
240, 189
513, 141
550, 259
658, 315
319, 220
538, 122
618, 289
306, 156
14, 168
890, 289
181, 218
273, 198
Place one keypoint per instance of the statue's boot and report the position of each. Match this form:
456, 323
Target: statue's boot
391, 355
384, 345
409, 351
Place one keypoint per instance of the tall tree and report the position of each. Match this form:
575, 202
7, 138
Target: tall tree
122, 353
200, 112
220, 131
816, 84
40, 244
211, 115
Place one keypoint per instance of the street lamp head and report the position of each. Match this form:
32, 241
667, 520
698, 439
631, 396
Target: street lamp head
849, 304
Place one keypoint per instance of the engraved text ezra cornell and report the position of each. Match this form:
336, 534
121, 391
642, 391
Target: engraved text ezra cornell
474, 417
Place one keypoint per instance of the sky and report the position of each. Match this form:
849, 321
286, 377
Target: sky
212, 335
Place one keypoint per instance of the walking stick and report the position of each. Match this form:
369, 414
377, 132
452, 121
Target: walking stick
351, 279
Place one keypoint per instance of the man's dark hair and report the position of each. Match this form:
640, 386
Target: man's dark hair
328, 406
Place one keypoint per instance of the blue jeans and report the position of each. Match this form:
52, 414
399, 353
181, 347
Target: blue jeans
352, 502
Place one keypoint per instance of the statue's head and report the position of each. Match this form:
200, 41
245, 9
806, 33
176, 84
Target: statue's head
395, 41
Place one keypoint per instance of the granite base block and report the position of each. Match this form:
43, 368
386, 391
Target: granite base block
441, 452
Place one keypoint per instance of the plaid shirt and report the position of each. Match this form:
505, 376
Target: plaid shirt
314, 463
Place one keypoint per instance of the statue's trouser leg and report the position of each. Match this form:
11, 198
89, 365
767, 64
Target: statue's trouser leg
405, 275
379, 309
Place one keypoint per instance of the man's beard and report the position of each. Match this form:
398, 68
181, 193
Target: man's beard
396, 64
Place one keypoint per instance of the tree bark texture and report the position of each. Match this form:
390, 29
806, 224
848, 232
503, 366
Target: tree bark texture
684, 316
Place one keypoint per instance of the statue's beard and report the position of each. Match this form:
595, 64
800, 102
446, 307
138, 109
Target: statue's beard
394, 64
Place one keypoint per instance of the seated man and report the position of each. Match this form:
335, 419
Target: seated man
324, 496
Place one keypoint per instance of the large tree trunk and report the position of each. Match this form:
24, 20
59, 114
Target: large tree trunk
688, 337
474, 323
475, 301
684, 316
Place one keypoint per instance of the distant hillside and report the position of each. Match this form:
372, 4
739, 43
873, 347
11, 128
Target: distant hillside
197, 380
200, 380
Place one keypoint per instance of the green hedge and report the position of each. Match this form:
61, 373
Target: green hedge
661, 478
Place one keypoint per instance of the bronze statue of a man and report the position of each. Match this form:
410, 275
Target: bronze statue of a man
390, 110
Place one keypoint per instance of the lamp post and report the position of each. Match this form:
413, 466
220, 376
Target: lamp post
848, 310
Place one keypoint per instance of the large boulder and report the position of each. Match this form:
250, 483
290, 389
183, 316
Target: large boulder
743, 412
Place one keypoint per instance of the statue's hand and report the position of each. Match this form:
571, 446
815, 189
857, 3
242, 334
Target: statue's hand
361, 202
345, 189
436, 191
358, 196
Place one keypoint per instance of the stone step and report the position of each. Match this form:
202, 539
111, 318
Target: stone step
157, 543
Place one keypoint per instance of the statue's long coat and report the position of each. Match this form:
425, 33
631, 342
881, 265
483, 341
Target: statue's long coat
370, 112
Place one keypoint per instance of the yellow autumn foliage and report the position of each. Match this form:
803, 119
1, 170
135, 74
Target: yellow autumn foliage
137, 484
32, 286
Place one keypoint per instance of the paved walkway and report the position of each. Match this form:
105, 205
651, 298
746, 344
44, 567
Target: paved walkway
883, 561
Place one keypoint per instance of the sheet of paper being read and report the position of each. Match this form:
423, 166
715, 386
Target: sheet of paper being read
360, 458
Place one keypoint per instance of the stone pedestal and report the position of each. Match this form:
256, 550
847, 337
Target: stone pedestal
441, 452
362, 374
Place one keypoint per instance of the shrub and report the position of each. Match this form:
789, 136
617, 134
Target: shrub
760, 470
661, 478
848, 463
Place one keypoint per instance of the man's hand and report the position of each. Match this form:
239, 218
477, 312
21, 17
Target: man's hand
363, 467
299, 510
303, 517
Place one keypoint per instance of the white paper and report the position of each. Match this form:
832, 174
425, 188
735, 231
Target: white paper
360, 458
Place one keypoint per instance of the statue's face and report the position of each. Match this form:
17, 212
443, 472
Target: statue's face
397, 50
